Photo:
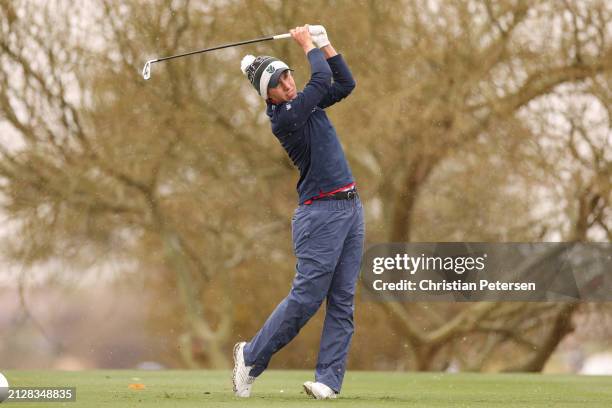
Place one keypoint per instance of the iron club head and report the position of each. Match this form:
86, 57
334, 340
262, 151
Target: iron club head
146, 71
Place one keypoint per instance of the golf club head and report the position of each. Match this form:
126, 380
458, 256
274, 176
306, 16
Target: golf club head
146, 71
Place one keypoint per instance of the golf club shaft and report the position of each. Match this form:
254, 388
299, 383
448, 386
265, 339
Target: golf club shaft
272, 37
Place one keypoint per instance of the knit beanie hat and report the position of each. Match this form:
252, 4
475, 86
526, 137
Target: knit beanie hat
263, 72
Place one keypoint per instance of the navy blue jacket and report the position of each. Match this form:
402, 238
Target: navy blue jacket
305, 132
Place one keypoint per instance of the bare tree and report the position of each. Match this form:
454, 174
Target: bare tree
447, 134
472, 69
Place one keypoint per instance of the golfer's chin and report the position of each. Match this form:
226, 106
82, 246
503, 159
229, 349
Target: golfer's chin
287, 97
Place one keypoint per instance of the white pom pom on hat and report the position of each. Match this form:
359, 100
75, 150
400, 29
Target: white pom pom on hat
246, 61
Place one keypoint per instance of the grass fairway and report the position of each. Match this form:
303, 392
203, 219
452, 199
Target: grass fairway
283, 389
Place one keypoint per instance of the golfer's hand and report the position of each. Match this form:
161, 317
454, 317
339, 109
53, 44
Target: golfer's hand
319, 35
301, 35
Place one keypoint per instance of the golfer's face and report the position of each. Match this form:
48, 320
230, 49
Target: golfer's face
285, 90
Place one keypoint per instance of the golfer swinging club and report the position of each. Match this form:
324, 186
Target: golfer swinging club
327, 227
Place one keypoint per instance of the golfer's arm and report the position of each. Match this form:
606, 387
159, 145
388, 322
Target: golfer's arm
343, 84
329, 51
320, 77
299, 109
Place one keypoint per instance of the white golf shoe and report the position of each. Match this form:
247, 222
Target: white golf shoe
241, 380
318, 390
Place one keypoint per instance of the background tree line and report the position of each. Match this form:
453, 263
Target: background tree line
472, 121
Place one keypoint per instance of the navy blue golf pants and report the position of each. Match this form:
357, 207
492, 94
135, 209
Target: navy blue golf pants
328, 239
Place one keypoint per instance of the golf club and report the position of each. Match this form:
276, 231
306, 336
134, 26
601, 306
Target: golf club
146, 71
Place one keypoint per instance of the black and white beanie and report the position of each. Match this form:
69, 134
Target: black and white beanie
263, 72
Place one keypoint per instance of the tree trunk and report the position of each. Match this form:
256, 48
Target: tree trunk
418, 171
562, 326
200, 333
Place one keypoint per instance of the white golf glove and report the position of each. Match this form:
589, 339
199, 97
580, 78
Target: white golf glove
319, 35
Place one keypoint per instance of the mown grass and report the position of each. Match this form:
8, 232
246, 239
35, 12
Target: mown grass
182, 388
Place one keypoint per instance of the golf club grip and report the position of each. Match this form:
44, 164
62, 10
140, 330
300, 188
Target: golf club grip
281, 36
